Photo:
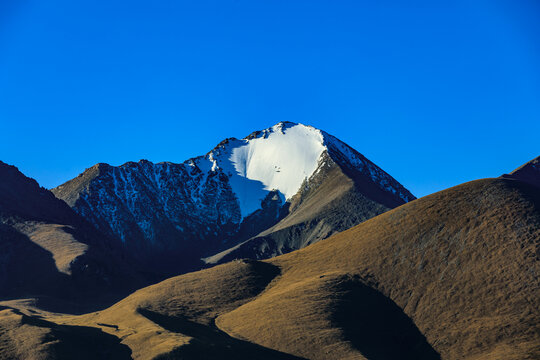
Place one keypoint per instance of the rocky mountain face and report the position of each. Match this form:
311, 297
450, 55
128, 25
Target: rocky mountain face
155, 209
47, 249
290, 185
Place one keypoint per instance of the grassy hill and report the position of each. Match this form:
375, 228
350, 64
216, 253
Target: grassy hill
453, 275
462, 264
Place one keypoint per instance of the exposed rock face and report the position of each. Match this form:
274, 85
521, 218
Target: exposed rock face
155, 208
172, 214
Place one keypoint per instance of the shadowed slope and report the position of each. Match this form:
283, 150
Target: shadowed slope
46, 249
208, 342
29, 337
19, 255
375, 324
528, 172
335, 316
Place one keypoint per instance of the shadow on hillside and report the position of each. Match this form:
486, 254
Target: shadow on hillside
209, 342
28, 271
376, 326
25, 267
77, 342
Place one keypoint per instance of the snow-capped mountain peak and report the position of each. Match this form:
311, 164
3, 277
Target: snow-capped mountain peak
278, 158
230, 194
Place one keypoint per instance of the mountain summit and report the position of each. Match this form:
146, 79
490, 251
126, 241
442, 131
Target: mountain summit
240, 189
280, 159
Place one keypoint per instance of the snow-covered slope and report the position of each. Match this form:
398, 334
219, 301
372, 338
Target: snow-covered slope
214, 201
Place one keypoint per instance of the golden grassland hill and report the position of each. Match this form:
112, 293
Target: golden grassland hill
462, 264
453, 275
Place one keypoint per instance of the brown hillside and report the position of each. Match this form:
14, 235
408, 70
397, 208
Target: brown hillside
453, 275
30, 337
175, 318
462, 264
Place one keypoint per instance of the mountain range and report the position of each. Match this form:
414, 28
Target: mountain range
272, 192
286, 244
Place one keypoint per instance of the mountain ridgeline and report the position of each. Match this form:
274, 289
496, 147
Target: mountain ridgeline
275, 191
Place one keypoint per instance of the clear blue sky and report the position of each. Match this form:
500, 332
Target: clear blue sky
435, 92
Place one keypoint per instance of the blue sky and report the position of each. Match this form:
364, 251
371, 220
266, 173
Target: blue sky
435, 92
